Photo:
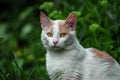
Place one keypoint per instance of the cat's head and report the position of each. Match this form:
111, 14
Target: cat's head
57, 34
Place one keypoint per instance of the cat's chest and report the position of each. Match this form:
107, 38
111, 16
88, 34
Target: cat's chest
64, 66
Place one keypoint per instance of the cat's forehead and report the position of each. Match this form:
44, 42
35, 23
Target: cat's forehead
58, 25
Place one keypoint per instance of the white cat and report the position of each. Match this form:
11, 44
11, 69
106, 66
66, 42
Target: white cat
66, 59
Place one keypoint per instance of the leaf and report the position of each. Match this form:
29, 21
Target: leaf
3, 28
46, 6
94, 27
25, 13
26, 30
104, 2
20, 62
56, 15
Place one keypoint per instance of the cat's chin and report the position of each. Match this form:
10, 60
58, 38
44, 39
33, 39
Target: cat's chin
56, 47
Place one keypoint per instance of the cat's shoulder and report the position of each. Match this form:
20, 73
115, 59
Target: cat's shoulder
100, 55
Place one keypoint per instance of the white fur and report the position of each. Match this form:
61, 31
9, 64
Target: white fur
74, 62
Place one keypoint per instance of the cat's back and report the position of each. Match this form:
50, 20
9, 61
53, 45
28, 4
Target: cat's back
99, 55
99, 63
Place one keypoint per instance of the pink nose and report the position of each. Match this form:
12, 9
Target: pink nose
55, 42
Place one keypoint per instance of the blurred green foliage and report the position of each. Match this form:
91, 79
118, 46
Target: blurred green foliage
22, 56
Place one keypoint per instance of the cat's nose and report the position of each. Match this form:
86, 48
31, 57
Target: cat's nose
55, 42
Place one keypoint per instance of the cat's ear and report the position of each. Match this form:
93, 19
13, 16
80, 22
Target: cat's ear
44, 20
71, 21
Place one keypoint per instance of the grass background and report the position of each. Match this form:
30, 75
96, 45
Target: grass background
22, 55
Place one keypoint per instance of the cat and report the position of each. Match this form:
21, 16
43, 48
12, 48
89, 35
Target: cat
66, 59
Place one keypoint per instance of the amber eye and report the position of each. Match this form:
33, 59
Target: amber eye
49, 34
63, 34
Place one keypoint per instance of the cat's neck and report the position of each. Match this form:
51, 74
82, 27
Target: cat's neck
74, 45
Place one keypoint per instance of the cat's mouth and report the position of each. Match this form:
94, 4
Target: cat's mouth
55, 47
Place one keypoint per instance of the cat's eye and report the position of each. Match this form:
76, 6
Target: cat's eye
49, 34
63, 34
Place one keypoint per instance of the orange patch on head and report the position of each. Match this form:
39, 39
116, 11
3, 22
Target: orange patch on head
102, 55
50, 27
63, 27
